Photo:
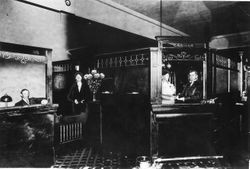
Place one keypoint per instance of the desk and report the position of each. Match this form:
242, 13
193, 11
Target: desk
126, 123
94, 123
182, 118
27, 136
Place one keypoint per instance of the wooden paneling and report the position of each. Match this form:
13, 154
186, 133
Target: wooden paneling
172, 132
126, 71
27, 136
127, 98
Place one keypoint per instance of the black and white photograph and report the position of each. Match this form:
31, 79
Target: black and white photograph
125, 84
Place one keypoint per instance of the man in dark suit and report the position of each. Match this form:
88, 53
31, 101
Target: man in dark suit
192, 92
25, 101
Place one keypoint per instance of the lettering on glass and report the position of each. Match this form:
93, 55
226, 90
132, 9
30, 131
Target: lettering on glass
182, 56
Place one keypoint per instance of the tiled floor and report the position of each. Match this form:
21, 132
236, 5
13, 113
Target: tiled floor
116, 155
89, 158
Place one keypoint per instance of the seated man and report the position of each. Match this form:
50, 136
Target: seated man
25, 101
192, 92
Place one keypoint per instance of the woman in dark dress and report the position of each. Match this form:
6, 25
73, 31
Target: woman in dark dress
79, 95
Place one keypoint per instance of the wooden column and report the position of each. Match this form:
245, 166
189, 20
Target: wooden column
155, 76
204, 74
48, 55
213, 72
248, 108
240, 68
154, 128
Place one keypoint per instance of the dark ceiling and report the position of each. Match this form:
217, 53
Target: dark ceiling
200, 19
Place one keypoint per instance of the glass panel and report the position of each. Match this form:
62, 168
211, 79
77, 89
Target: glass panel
234, 85
221, 80
16, 76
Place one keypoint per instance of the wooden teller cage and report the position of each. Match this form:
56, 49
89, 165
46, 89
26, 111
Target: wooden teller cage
180, 127
205, 125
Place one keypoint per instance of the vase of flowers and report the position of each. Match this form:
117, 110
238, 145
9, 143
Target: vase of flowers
94, 80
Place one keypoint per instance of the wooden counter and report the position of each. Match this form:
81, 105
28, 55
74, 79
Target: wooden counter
174, 125
21, 110
27, 135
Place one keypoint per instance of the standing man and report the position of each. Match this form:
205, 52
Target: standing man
192, 92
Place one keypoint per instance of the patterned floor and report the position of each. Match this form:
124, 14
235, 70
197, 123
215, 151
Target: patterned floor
89, 158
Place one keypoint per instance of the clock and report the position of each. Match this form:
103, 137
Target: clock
67, 2
59, 81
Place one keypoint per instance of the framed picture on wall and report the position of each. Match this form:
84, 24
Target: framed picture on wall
59, 81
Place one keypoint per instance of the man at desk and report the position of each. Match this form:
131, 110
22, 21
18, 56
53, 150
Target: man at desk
192, 91
25, 101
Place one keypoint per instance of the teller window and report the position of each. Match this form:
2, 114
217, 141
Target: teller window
182, 81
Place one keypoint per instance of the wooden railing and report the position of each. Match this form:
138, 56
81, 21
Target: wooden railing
70, 132
69, 129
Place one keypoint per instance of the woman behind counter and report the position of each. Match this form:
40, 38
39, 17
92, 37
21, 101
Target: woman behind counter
168, 89
79, 95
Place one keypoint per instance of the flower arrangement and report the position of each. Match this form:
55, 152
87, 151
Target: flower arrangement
94, 80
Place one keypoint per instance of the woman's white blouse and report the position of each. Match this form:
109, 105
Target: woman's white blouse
168, 88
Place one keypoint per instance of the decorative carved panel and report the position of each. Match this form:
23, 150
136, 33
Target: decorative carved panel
23, 58
122, 60
182, 56
65, 67
221, 61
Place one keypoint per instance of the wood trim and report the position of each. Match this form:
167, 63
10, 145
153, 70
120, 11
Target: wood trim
155, 76
48, 55
241, 72
248, 108
229, 41
204, 80
154, 130
22, 57
228, 77
125, 51
213, 74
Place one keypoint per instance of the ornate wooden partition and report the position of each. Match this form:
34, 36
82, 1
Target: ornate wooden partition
226, 71
182, 51
125, 98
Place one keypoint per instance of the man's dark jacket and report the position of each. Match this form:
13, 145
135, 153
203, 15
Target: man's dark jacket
192, 93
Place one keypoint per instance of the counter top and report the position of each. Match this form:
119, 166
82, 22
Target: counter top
35, 109
184, 108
